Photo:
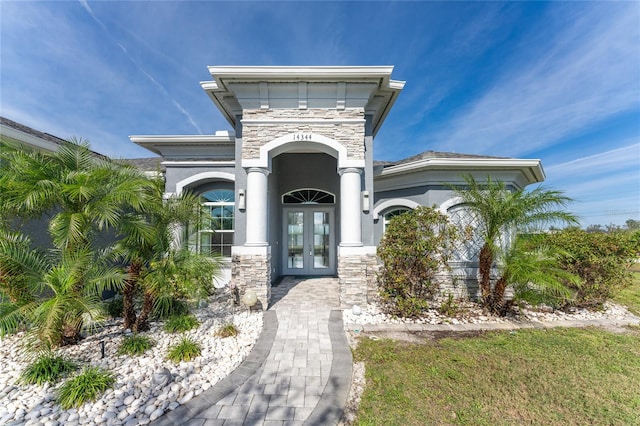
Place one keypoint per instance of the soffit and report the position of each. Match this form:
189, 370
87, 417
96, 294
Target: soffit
185, 147
237, 88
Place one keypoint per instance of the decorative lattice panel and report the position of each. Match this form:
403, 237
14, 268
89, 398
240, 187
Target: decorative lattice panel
467, 248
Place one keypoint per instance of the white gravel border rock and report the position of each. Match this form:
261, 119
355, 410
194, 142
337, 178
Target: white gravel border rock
137, 398
472, 313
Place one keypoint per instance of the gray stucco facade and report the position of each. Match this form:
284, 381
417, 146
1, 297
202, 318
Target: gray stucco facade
306, 195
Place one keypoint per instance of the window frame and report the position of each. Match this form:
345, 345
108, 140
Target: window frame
206, 210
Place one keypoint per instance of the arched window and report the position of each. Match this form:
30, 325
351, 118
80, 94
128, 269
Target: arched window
391, 214
308, 196
217, 228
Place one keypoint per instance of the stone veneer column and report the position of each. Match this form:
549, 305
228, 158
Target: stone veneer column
251, 263
355, 262
357, 273
251, 270
350, 215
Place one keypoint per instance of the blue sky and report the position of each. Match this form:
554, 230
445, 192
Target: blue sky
559, 81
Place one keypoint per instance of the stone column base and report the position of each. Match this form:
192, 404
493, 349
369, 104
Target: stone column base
357, 274
251, 270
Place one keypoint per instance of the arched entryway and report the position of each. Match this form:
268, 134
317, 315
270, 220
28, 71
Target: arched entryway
308, 189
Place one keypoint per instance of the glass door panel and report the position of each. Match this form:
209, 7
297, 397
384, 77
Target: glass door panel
321, 229
295, 240
310, 246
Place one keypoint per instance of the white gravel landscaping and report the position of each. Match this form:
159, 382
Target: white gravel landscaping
471, 313
146, 386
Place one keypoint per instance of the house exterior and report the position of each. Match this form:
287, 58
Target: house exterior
294, 189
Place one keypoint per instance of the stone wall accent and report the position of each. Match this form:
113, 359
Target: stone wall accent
350, 134
252, 272
463, 283
357, 275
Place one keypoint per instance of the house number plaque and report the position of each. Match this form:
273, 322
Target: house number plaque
302, 136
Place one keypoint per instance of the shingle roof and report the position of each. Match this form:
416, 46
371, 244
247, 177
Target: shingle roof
26, 129
430, 154
148, 164
38, 134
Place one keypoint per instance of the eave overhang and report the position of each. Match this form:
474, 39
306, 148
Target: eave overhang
223, 90
531, 169
168, 145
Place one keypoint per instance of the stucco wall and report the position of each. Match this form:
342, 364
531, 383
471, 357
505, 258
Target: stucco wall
428, 195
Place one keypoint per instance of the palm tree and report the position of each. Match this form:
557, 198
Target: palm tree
535, 273
500, 212
84, 192
85, 195
49, 300
158, 266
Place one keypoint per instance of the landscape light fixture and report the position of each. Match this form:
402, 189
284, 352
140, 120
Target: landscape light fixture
249, 298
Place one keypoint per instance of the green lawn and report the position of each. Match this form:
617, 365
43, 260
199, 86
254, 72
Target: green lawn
630, 297
550, 377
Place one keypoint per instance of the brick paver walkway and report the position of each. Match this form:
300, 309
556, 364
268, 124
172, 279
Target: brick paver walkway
298, 373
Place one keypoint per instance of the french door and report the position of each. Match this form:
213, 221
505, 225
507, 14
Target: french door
309, 241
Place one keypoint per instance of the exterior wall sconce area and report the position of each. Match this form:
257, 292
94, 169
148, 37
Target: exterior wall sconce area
242, 199
366, 203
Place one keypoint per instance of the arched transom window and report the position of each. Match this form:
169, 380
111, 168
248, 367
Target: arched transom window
308, 196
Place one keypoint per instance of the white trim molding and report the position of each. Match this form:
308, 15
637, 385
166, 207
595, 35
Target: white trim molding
531, 169
250, 250
356, 250
203, 176
394, 202
451, 202
196, 163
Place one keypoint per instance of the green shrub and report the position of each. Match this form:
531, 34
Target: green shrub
415, 248
165, 308
186, 350
449, 307
227, 330
87, 386
47, 368
135, 345
601, 260
114, 307
180, 323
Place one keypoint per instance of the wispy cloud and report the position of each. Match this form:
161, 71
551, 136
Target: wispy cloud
606, 185
85, 5
589, 73
619, 158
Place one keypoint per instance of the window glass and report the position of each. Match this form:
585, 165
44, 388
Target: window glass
217, 228
308, 196
391, 214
